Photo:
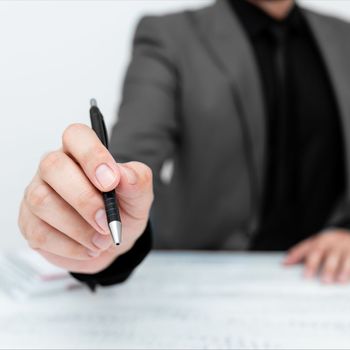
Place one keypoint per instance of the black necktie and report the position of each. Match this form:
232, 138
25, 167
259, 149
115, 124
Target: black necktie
285, 191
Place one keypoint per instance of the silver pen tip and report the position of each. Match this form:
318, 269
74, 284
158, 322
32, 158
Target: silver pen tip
116, 231
93, 102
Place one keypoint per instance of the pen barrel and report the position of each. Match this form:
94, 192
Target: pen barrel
111, 204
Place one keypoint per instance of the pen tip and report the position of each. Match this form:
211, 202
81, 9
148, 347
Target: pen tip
116, 231
93, 102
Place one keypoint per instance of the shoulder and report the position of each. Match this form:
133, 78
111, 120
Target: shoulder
174, 26
333, 22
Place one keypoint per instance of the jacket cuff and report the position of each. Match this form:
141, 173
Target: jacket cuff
122, 267
340, 226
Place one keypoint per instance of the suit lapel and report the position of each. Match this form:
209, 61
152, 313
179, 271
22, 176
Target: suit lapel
232, 51
337, 63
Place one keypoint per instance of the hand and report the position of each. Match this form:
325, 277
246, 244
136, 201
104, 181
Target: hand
62, 213
327, 253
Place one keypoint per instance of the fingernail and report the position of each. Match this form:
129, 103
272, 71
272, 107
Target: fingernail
101, 220
92, 253
105, 176
101, 241
130, 175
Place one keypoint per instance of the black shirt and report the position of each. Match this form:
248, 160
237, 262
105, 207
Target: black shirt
304, 172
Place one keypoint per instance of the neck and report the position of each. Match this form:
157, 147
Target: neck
277, 9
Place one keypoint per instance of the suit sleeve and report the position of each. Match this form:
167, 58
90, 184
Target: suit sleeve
341, 216
145, 130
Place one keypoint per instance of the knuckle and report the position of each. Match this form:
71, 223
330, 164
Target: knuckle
319, 246
87, 198
328, 238
20, 222
82, 234
100, 153
148, 175
343, 237
50, 161
312, 263
148, 183
145, 174
332, 261
313, 259
71, 131
37, 196
37, 237
317, 251
144, 186
95, 154
23, 223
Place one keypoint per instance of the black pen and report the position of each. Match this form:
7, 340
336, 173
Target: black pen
109, 198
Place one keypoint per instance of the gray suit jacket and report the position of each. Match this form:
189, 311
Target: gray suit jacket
193, 94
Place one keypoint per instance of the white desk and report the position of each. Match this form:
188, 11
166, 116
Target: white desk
183, 300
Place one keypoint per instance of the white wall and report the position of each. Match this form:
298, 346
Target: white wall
54, 56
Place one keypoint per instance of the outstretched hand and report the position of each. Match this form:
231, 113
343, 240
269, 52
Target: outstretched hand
62, 214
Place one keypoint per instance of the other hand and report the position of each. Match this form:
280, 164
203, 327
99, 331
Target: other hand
327, 254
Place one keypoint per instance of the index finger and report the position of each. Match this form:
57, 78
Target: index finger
298, 253
82, 144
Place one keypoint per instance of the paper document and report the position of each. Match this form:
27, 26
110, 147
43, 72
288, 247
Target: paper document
192, 301
26, 274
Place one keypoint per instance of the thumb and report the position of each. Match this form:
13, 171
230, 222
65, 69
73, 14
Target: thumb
135, 188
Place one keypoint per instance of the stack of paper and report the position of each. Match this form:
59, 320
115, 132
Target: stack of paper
27, 274
188, 301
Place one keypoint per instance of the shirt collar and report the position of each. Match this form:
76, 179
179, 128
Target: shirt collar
256, 21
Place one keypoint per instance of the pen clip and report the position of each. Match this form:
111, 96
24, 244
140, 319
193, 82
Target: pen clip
98, 125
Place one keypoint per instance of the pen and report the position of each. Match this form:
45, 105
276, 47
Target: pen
109, 198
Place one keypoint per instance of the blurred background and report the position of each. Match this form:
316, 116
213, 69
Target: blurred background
55, 56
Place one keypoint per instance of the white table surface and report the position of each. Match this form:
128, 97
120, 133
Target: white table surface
188, 300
